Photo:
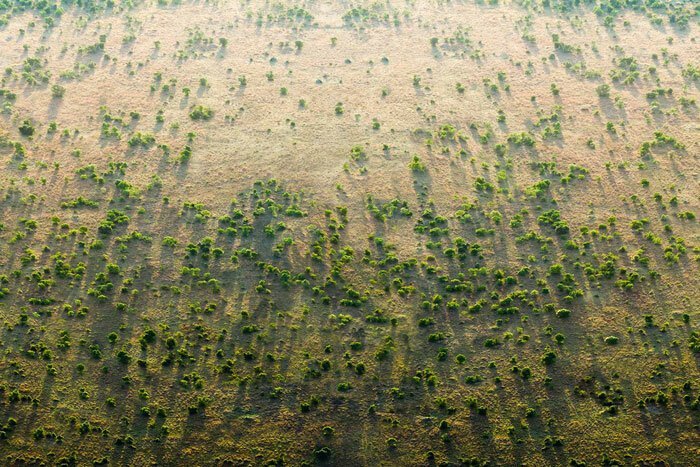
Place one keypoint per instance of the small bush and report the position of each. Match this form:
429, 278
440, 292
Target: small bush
612, 340
57, 91
26, 128
201, 112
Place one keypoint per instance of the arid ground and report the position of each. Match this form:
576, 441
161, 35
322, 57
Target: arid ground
349, 233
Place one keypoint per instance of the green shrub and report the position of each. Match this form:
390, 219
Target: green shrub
603, 90
26, 128
141, 139
57, 91
416, 164
201, 112
563, 313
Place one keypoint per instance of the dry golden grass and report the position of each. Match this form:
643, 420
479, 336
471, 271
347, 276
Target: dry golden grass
383, 72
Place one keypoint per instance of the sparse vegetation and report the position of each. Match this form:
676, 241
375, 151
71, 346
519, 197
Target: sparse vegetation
394, 233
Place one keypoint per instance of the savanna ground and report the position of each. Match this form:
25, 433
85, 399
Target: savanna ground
349, 233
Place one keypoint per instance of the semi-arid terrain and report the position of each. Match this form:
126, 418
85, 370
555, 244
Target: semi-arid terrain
399, 233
